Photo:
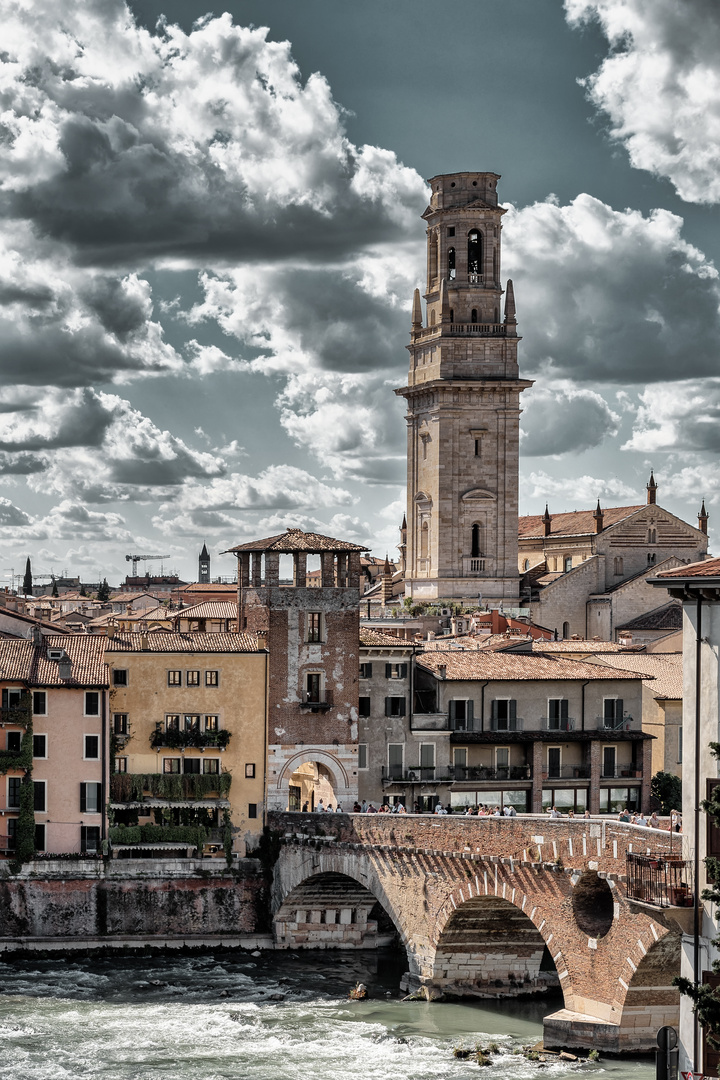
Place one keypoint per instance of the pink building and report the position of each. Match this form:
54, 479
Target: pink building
53, 735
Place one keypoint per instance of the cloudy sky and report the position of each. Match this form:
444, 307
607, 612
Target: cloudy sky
211, 234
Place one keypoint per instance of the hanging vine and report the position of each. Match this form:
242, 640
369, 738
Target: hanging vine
22, 759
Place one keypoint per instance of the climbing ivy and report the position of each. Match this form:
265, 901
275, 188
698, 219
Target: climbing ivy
131, 787
21, 715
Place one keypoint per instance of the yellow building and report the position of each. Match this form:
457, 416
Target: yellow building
187, 717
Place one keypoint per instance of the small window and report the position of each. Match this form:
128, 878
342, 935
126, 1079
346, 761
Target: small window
211, 723
394, 706
172, 722
451, 230
90, 838
211, 678
366, 671
120, 723
252, 810
191, 765
39, 746
171, 765
478, 448
396, 671
120, 677
14, 741
451, 264
39, 800
526, 564
618, 566
39, 837
90, 798
314, 626
566, 631
92, 747
192, 678
364, 706
362, 756
211, 766
40, 703
174, 678
92, 703
121, 764
13, 792
473, 315
191, 722
11, 699
312, 686
567, 564
249, 770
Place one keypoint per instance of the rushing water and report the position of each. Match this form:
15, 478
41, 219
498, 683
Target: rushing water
235, 1016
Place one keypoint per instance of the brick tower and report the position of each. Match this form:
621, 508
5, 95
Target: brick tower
312, 621
463, 397
204, 566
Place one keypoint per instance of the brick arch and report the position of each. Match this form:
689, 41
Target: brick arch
649, 1001
312, 753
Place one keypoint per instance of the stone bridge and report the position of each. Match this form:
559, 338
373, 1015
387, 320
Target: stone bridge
491, 907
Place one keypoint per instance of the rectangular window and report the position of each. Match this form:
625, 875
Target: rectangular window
460, 757
171, 765
366, 671
451, 230
39, 703
211, 766
211, 723
120, 677
460, 712
90, 839
396, 753
252, 810
250, 770
362, 756
427, 761
191, 765
120, 723
39, 800
314, 625
608, 766
503, 715
192, 678
394, 706
364, 706
39, 837
211, 678
92, 703
172, 722
14, 741
39, 746
312, 686
502, 762
13, 792
396, 671
612, 712
191, 721
554, 762
120, 764
92, 747
558, 714
478, 447
90, 798
174, 678
11, 699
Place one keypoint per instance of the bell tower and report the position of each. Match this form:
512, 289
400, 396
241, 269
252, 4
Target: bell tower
463, 398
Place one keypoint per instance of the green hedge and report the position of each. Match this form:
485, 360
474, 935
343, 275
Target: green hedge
130, 787
175, 739
192, 835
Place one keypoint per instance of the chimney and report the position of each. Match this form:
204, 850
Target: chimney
36, 635
598, 515
703, 518
111, 632
65, 666
442, 671
651, 490
262, 639
547, 521
144, 643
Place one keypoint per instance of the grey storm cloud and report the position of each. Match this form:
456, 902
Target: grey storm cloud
559, 420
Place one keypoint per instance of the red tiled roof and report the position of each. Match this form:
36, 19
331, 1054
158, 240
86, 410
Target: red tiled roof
203, 586
23, 661
667, 617
368, 636
706, 568
163, 642
573, 523
208, 609
508, 666
664, 669
297, 540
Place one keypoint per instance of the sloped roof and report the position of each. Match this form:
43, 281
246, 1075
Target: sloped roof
297, 540
24, 661
665, 669
582, 645
574, 522
208, 587
368, 636
705, 569
667, 617
513, 666
162, 642
208, 609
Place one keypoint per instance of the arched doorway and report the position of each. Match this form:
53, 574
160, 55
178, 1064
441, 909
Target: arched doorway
310, 786
310, 774
490, 948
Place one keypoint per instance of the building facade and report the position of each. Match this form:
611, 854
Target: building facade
463, 395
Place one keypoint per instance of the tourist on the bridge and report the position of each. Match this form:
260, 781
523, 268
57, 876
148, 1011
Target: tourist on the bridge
440, 809
675, 821
586, 814
654, 820
356, 808
555, 812
640, 819
510, 811
320, 808
571, 813
384, 809
401, 808
371, 809
329, 808
624, 815
305, 807
363, 808
496, 812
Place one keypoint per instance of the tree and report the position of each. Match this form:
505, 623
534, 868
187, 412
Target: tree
667, 788
27, 580
103, 594
83, 590
54, 588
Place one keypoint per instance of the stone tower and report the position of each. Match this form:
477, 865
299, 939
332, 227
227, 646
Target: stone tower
463, 397
204, 566
312, 630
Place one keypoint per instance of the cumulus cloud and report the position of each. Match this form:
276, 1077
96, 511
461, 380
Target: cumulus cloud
68, 520
564, 419
577, 492
660, 86
610, 295
683, 415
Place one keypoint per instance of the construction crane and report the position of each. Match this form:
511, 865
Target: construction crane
135, 559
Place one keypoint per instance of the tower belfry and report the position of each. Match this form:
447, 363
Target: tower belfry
463, 396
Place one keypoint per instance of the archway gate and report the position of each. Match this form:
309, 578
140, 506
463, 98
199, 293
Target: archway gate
434, 877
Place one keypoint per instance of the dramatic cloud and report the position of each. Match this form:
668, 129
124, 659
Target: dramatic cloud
577, 493
683, 415
660, 86
562, 419
611, 296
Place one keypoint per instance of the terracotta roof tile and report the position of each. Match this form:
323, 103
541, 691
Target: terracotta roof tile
573, 523
204, 586
22, 660
208, 609
665, 670
368, 636
667, 617
582, 645
297, 540
509, 666
183, 643
706, 568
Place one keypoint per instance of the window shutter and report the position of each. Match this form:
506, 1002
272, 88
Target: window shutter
83, 801
98, 798
619, 710
5, 702
83, 834
451, 709
368, 670
388, 671
401, 708
494, 709
512, 710
469, 709
563, 710
402, 671
388, 706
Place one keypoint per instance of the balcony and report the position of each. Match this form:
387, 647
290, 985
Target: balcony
432, 722
558, 723
175, 739
568, 772
618, 772
317, 706
658, 880
137, 788
506, 723
604, 723
418, 774
486, 772
150, 835
473, 565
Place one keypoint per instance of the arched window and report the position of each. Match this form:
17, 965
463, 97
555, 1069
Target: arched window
451, 264
566, 630
473, 315
476, 549
652, 536
433, 258
618, 566
474, 255
526, 564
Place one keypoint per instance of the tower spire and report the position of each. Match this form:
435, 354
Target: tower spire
598, 515
651, 490
547, 521
510, 314
703, 518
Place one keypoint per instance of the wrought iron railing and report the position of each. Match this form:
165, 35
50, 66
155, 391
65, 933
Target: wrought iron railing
558, 723
567, 772
486, 772
509, 723
659, 880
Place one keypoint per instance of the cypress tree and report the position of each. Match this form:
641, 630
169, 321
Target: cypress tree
27, 580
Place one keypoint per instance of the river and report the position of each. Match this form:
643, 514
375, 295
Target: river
272, 1016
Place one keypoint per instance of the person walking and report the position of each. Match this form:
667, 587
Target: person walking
320, 808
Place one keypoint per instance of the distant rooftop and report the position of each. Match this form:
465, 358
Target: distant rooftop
296, 540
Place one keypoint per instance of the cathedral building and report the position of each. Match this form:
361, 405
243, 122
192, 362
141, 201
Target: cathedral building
463, 404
